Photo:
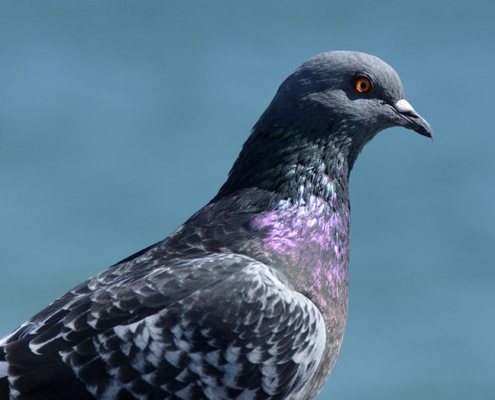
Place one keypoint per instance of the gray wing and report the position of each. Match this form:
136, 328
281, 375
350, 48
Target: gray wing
219, 327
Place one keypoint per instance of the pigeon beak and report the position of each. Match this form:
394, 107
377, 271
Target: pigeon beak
410, 119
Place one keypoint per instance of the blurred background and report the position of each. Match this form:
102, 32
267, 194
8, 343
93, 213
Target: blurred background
119, 119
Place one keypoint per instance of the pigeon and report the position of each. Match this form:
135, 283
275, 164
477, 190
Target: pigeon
248, 298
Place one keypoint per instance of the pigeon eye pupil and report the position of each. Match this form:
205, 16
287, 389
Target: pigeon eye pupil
362, 85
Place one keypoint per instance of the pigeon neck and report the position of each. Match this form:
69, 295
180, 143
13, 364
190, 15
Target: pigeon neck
294, 170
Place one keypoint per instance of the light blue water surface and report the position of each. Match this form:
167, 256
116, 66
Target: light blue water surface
119, 119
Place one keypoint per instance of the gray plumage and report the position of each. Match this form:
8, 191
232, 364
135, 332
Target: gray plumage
248, 298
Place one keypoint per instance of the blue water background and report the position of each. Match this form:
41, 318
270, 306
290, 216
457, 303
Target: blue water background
119, 119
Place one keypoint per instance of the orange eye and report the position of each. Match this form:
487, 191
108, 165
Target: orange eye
362, 84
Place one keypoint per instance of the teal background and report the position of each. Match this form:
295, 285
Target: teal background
119, 119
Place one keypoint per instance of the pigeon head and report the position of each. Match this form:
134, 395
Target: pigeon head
348, 93
321, 117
